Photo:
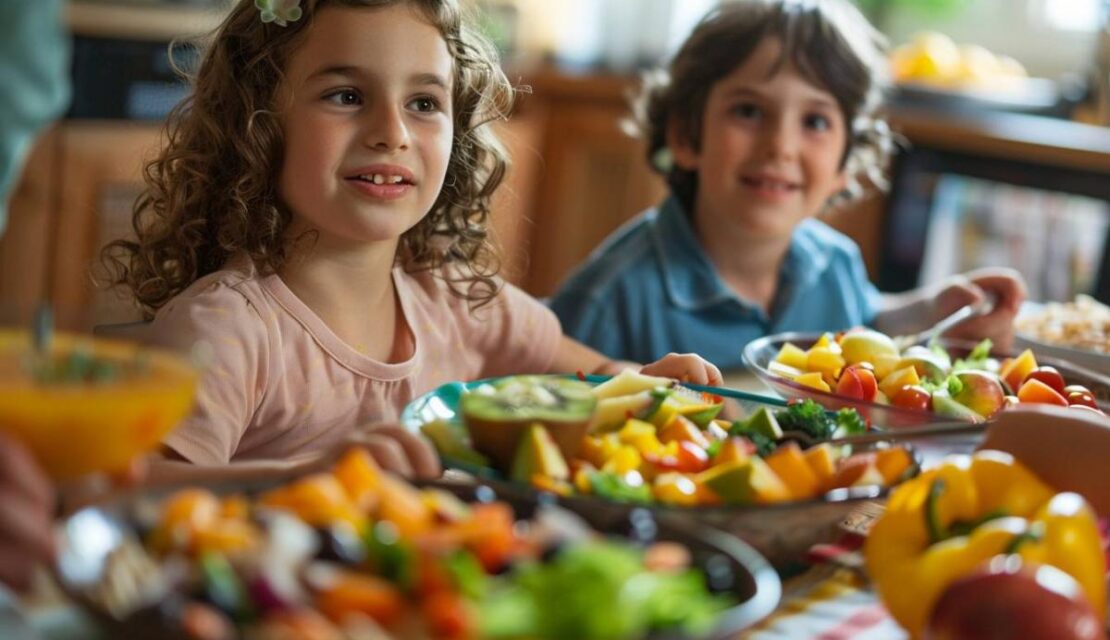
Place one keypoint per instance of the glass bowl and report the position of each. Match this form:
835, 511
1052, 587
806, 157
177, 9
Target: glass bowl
782, 532
74, 428
759, 353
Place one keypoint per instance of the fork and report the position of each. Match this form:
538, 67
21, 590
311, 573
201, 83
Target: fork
940, 429
963, 314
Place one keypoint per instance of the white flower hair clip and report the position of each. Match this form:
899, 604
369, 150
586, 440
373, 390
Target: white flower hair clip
280, 12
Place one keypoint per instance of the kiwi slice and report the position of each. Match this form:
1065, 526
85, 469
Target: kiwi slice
496, 415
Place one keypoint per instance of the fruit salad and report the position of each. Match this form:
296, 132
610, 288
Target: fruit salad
867, 366
648, 439
358, 553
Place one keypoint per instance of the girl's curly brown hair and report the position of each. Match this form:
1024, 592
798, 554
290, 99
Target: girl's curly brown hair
828, 41
212, 190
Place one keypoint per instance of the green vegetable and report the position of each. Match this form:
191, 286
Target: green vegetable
848, 422
764, 445
977, 359
467, 574
614, 487
391, 558
807, 416
224, 588
598, 591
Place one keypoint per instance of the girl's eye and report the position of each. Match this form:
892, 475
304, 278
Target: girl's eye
425, 104
345, 97
817, 122
746, 110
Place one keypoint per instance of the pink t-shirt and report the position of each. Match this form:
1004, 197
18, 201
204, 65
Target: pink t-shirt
280, 382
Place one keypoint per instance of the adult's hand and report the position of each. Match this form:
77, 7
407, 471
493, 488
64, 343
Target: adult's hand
26, 530
1068, 448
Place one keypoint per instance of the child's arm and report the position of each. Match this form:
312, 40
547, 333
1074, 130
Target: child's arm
392, 447
915, 310
1067, 448
574, 356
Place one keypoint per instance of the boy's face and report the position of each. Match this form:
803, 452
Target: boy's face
771, 147
368, 125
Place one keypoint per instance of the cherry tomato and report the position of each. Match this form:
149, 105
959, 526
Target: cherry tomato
1082, 398
1071, 388
1048, 375
912, 396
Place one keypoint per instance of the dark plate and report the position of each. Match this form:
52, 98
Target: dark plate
760, 352
781, 532
86, 538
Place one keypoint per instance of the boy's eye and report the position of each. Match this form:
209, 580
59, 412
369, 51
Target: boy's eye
817, 122
426, 104
746, 110
345, 97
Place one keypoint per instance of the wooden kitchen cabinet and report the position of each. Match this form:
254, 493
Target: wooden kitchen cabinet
75, 195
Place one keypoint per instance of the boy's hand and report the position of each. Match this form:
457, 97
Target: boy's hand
1005, 285
26, 531
685, 367
397, 450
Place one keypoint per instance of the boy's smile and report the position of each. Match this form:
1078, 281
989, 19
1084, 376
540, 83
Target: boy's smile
771, 149
368, 125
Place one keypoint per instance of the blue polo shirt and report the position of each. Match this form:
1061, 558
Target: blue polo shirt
649, 289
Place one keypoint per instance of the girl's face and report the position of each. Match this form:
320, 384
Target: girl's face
771, 147
368, 125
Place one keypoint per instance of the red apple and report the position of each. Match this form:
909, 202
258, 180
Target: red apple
1006, 599
982, 392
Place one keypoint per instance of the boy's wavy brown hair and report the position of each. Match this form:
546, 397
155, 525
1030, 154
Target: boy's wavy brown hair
212, 190
828, 41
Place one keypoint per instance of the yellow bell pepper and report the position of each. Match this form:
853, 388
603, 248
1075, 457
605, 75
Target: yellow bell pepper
949, 520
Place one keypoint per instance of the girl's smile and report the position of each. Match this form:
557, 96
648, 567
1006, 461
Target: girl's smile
383, 182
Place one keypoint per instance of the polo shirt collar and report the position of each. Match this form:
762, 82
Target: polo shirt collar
689, 277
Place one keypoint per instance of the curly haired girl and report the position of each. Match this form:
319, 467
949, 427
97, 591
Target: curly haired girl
768, 114
319, 217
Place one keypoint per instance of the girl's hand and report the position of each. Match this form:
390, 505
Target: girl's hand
26, 531
685, 367
398, 450
1005, 285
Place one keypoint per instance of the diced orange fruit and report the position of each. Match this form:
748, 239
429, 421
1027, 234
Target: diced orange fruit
813, 380
401, 504
681, 429
226, 536
353, 593
1035, 391
733, 449
675, 488
360, 477
789, 463
235, 507
791, 356
318, 499
190, 509
1015, 371
852, 468
822, 460
897, 379
892, 463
